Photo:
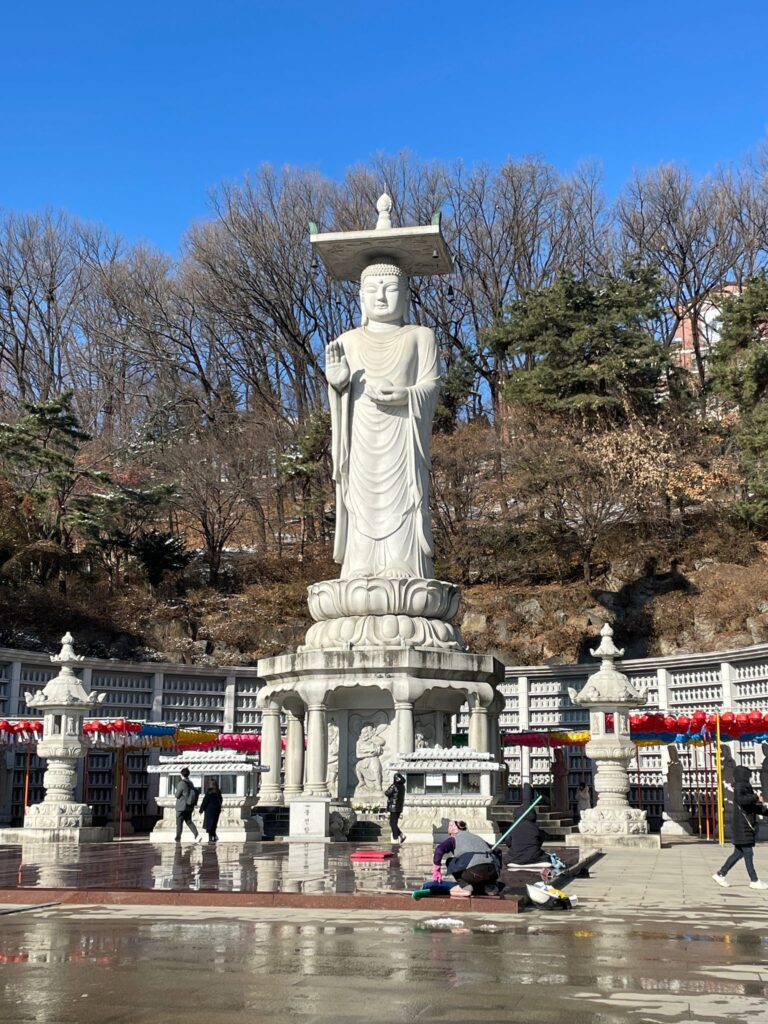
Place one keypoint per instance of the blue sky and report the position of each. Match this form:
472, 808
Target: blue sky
130, 113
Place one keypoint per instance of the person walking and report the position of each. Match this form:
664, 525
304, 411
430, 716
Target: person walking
210, 809
186, 798
746, 807
395, 795
474, 865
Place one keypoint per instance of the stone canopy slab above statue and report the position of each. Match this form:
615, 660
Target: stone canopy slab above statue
419, 251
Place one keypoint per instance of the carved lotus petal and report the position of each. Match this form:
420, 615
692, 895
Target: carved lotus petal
433, 599
382, 631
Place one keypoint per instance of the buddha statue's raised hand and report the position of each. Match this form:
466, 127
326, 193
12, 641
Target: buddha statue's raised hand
336, 366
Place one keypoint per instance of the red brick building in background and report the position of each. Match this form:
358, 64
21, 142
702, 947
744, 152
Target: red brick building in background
708, 329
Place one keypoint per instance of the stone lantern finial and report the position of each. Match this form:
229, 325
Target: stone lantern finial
66, 655
607, 649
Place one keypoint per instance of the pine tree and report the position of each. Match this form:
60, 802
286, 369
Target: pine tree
740, 378
39, 457
584, 348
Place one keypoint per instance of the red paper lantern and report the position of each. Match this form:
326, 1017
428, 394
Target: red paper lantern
670, 723
742, 720
683, 723
727, 718
755, 717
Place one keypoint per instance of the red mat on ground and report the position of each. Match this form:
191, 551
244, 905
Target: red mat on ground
371, 855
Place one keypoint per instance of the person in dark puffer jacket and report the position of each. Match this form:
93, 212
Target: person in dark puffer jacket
526, 841
395, 799
746, 807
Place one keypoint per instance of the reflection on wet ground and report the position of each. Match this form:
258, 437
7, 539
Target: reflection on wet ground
106, 966
230, 867
248, 867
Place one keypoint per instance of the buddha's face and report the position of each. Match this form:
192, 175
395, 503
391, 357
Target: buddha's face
383, 298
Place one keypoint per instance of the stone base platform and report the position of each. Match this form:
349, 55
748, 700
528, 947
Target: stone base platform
79, 836
647, 841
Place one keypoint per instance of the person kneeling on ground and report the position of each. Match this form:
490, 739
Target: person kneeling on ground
746, 807
474, 865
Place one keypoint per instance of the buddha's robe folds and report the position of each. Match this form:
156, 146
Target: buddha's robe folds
381, 455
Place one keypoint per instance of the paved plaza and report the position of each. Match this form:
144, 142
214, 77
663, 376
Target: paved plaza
651, 939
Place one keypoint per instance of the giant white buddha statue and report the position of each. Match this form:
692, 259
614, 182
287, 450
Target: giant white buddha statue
384, 380
384, 383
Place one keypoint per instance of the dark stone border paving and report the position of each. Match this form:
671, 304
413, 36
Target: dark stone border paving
310, 901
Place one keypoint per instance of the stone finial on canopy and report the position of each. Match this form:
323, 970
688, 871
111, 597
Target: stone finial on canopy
384, 209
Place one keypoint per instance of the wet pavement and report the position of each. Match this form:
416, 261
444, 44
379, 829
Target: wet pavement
223, 867
108, 966
651, 939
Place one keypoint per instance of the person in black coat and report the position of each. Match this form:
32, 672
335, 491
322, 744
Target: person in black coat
395, 799
746, 807
211, 810
526, 842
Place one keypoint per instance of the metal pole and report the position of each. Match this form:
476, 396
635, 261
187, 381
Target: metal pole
122, 789
720, 822
26, 782
696, 783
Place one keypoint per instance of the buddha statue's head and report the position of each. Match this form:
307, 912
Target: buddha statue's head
383, 294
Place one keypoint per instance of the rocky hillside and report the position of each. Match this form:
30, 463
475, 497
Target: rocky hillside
656, 610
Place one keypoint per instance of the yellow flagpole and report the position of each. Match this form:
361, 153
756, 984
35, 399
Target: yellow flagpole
719, 762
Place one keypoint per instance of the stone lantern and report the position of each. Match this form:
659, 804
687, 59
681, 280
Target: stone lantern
612, 821
64, 704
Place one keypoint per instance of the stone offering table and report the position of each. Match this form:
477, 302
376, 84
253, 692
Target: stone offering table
237, 775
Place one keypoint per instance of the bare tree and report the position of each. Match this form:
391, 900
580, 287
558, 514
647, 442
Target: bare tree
687, 232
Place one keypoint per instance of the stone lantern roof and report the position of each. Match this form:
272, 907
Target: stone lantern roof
608, 686
65, 690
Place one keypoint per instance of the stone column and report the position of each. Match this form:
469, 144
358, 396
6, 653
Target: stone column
478, 728
230, 699
404, 726
317, 752
294, 757
270, 793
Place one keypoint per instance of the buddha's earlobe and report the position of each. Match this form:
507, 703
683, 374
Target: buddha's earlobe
363, 314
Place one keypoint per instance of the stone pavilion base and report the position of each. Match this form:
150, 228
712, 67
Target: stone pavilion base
425, 818
237, 824
79, 836
649, 841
